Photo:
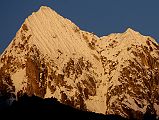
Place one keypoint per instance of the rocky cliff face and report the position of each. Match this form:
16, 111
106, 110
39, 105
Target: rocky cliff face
51, 57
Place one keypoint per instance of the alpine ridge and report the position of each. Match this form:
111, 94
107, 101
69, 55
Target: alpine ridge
52, 57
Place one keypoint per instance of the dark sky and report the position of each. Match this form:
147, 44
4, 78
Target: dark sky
99, 16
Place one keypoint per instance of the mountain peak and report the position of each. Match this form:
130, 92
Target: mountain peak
44, 8
51, 32
130, 30
131, 33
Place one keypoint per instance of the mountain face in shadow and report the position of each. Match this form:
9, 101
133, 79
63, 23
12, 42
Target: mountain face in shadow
51, 108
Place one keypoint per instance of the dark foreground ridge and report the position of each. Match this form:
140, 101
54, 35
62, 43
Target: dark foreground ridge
51, 108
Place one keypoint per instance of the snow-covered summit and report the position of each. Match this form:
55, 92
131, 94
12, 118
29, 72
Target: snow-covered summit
130, 30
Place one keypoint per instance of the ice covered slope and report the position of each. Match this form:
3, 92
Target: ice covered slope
51, 57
